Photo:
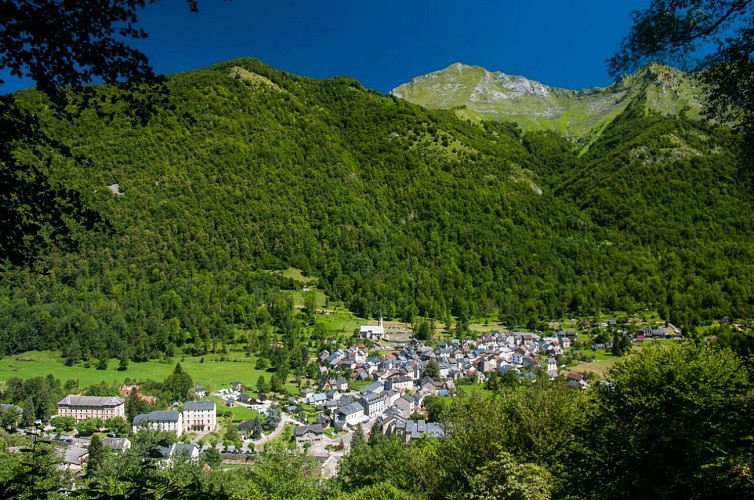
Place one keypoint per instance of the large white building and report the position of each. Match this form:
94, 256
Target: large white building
349, 415
374, 404
81, 407
199, 416
170, 421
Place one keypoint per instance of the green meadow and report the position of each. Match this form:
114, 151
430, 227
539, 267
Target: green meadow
212, 373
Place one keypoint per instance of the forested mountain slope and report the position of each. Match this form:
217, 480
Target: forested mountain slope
396, 208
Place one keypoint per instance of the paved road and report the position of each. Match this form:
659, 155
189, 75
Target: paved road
259, 443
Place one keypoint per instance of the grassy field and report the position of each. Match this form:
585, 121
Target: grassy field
239, 413
212, 373
485, 327
603, 362
334, 316
599, 354
310, 281
597, 367
340, 321
297, 275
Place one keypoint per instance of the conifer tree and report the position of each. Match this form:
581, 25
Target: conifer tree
96, 455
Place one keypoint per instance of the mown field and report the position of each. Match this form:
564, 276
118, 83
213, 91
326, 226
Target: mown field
212, 373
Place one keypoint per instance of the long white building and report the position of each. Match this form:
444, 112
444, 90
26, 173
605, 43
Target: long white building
81, 407
170, 421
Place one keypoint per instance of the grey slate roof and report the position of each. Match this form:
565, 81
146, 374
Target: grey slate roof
375, 386
91, 400
10, 408
176, 448
419, 428
116, 443
301, 430
156, 416
372, 397
246, 425
199, 405
351, 409
74, 455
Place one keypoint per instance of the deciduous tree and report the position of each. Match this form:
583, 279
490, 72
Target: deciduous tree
674, 421
432, 369
118, 426
89, 426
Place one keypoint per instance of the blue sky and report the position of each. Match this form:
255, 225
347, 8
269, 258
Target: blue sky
382, 44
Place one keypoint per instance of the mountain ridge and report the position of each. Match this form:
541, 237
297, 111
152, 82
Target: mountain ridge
476, 93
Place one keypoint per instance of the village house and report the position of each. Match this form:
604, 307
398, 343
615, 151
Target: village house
348, 415
530, 362
429, 386
308, 433
126, 390
551, 345
250, 401
246, 429
409, 430
81, 407
565, 338
117, 444
332, 395
399, 382
655, 333
190, 450
487, 364
406, 403
339, 384
519, 354
576, 380
73, 457
357, 354
15, 410
317, 398
245, 398
346, 364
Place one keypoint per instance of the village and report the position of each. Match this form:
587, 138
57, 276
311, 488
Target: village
357, 389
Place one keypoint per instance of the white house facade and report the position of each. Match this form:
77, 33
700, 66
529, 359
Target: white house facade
81, 407
199, 416
170, 421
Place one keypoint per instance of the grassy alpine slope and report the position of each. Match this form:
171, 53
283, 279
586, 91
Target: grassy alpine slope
581, 115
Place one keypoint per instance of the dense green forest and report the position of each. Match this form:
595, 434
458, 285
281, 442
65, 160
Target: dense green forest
395, 208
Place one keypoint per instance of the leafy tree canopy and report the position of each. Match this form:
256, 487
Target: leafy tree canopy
673, 420
63, 47
713, 37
